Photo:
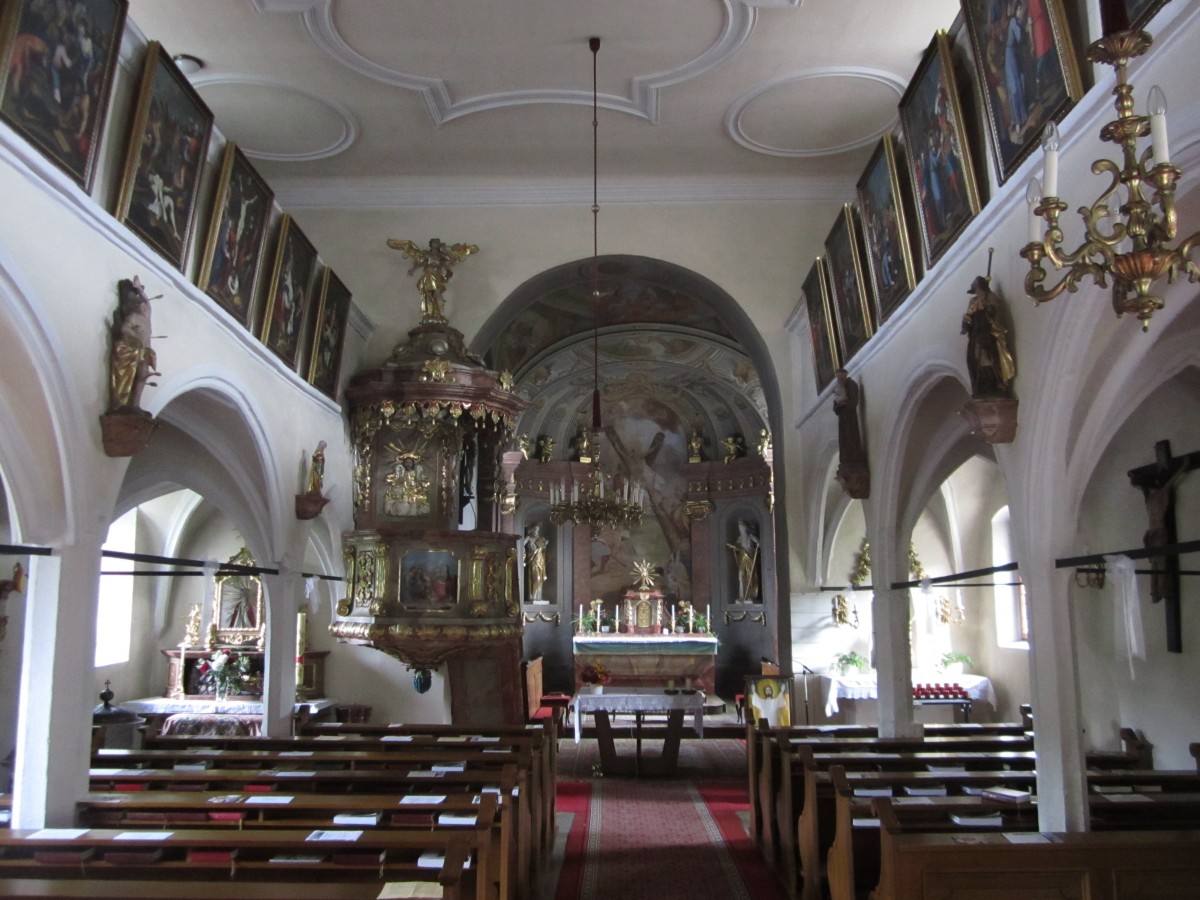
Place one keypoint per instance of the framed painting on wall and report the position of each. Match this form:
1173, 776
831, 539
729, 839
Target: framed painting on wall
167, 148
56, 75
237, 235
1027, 72
820, 324
289, 292
848, 286
943, 175
1138, 12
769, 697
329, 334
885, 229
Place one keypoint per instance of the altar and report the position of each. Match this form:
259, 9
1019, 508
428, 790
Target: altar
650, 660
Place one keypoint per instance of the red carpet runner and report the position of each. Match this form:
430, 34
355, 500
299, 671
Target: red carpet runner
656, 840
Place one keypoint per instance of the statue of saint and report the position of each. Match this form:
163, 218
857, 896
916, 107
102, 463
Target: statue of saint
132, 361
845, 406
745, 557
585, 445
436, 265
695, 443
316, 470
408, 488
545, 449
535, 562
989, 362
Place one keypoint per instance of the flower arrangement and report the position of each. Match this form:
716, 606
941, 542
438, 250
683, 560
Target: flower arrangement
224, 672
851, 660
595, 673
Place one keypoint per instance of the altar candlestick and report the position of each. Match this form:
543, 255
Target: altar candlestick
691, 620
672, 620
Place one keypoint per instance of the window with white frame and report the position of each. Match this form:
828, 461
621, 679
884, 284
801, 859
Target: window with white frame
1012, 614
114, 606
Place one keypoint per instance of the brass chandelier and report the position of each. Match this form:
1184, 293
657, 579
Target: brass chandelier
595, 498
1135, 249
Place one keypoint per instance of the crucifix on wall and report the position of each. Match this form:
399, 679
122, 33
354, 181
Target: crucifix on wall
1158, 481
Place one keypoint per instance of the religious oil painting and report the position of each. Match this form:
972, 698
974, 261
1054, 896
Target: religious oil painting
289, 292
885, 229
168, 145
770, 698
237, 235
848, 287
939, 160
1027, 73
1140, 12
820, 324
428, 580
56, 74
329, 333
238, 604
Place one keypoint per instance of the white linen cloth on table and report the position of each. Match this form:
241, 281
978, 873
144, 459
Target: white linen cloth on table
638, 700
865, 687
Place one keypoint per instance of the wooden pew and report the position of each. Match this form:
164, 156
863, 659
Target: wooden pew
164, 809
530, 744
1156, 800
765, 776
804, 813
1108, 865
539, 741
200, 855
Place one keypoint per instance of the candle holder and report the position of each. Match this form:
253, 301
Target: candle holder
1148, 224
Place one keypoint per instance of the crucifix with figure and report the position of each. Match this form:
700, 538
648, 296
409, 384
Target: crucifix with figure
1158, 481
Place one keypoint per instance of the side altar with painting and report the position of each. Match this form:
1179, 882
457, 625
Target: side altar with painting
643, 642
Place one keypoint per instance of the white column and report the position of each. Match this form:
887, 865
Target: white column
57, 692
893, 654
1061, 767
284, 593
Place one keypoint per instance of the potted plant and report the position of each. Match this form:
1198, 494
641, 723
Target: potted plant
954, 663
606, 623
853, 660
594, 676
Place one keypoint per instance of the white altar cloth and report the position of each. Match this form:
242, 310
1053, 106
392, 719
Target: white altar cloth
638, 700
169, 706
865, 687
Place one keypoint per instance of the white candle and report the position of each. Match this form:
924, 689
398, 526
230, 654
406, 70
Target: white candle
691, 619
1050, 146
1158, 126
1033, 195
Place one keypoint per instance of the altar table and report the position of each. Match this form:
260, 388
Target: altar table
650, 660
865, 687
639, 701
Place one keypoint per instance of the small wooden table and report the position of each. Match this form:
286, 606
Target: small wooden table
639, 701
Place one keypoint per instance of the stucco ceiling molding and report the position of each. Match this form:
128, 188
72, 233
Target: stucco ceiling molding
643, 102
734, 117
342, 119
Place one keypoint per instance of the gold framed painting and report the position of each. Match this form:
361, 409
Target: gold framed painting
848, 286
56, 76
168, 145
939, 160
329, 334
289, 293
238, 613
428, 581
885, 229
820, 324
237, 235
1026, 71
769, 697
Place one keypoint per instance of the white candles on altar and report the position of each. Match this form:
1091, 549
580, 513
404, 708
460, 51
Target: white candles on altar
691, 619
581, 628
672, 620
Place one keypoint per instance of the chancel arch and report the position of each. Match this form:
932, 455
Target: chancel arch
689, 408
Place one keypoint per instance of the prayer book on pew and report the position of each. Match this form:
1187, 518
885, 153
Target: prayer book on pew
453, 819
201, 766
304, 859
357, 818
873, 792
1006, 793
402, 890
977, 821
64, 856
431, 859
209, 855
937, 790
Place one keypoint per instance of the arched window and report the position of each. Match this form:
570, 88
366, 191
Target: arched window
1012, 613
114, 605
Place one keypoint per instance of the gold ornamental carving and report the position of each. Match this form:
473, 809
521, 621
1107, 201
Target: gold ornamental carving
698, 510
436, 264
